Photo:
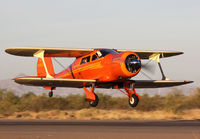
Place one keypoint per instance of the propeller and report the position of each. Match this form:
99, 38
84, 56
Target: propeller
133, 64
148, 67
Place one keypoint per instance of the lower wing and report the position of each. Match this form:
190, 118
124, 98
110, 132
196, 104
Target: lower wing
79, 83
144, 83
54, 82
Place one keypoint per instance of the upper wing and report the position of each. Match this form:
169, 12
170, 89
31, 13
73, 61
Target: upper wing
148, 54
54, 82
63, 52
143, 83
49, 52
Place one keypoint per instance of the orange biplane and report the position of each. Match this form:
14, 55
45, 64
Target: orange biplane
95, 68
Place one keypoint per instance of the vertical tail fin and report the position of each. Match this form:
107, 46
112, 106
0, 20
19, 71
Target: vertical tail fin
44, 65
45, 69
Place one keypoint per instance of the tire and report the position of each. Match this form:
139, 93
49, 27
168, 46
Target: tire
50, 94
95, 102
134, 102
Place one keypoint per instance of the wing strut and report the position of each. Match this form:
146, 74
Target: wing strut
156, 57
161, 70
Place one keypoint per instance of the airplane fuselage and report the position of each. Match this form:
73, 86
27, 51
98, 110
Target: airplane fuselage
109, 66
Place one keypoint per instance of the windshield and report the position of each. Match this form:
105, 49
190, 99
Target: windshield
102, 53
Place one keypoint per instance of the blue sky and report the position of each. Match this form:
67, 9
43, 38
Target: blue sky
122, 24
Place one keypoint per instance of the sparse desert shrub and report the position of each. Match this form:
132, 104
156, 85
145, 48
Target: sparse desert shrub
150, 103
174, 101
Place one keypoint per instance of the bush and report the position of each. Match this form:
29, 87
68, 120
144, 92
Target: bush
150, 103
174, 101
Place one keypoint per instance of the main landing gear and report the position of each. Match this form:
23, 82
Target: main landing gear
51, 92
133, 97
95, 102
133, 102
91, 97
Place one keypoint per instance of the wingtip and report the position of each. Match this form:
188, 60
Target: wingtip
178, 53
187, 82
7, 50
181, 53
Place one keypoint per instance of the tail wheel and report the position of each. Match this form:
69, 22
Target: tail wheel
51, 94
134, 101
95, 102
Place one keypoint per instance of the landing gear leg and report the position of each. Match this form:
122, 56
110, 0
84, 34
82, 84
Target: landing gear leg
133, 97
91, 97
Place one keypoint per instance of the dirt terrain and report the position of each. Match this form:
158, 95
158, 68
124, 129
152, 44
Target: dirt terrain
98, 114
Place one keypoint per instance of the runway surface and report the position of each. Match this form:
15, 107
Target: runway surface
99, 129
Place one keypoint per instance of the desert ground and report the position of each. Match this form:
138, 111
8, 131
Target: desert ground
100, 114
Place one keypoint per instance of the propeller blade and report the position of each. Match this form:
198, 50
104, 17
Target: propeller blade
148, 67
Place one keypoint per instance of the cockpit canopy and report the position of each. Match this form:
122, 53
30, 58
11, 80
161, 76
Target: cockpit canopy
104, 52
99, 54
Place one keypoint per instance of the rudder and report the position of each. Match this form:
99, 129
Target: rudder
42, 70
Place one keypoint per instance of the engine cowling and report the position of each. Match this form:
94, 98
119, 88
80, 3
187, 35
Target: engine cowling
131, 65
120, 66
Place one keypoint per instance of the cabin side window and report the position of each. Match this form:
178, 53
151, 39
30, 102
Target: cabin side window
85, 60
95, 57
